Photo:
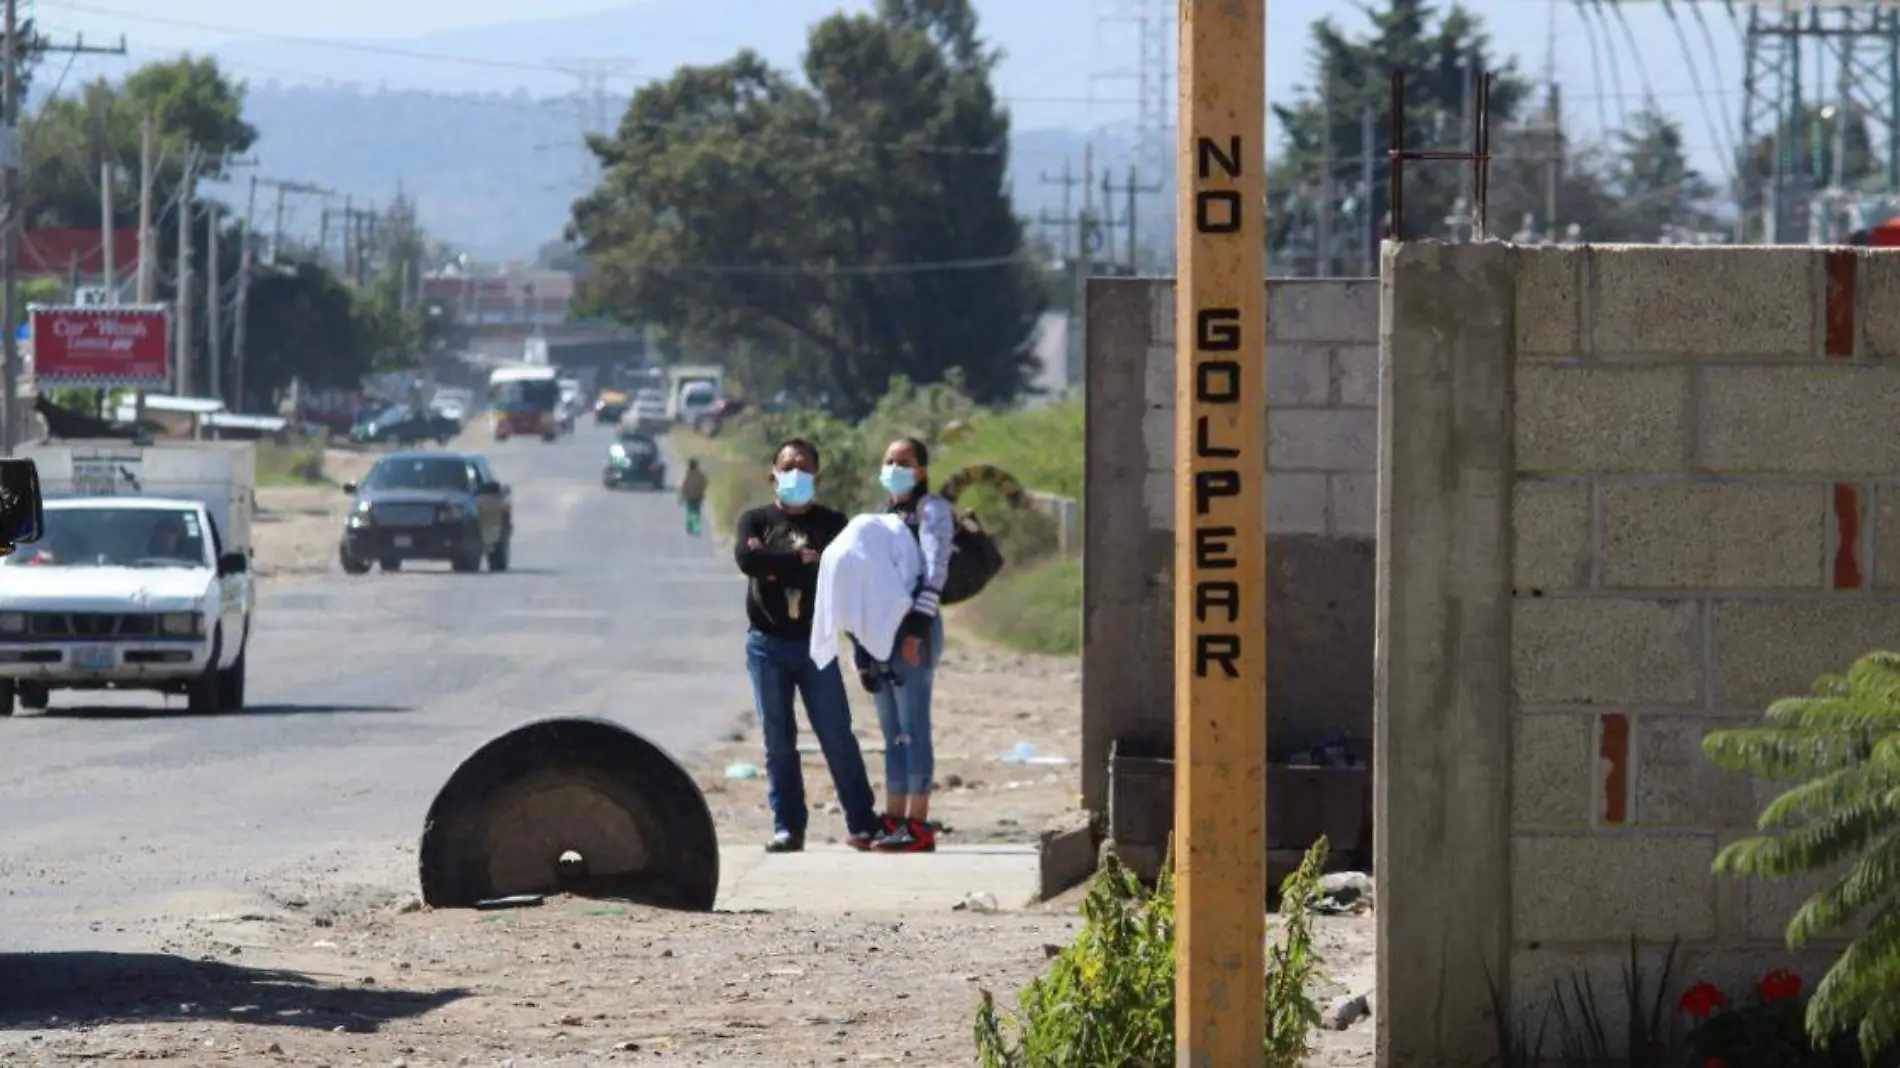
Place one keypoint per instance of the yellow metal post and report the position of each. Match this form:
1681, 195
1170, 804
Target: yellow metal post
1220, 596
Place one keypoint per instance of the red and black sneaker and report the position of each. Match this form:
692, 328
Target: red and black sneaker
910, 836
866, 840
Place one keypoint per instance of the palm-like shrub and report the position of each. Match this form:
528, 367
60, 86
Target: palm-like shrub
1840, 747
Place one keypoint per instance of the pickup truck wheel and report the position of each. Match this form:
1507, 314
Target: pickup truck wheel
352, 565
32, 696
6, 697
498, 556
203, 694
470, 562
231, 683
391, 563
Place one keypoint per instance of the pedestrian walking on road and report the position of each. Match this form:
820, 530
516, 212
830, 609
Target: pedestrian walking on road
778, 548
902, 689
693, 497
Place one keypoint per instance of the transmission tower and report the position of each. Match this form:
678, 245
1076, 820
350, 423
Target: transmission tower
1153, 75
1836, 62
594, 102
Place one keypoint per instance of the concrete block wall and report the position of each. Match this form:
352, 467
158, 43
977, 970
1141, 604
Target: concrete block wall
1631, 495
1322, 478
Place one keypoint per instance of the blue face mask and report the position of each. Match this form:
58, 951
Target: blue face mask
898, 480
796, 487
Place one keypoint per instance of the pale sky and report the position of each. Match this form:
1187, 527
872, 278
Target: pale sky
355, 19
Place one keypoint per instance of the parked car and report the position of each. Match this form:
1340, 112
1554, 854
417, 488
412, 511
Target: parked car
406, 426
633, 460
428, 506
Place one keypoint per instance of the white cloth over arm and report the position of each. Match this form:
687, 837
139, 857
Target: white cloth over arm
867, 580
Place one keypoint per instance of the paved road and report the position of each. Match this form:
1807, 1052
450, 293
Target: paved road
365, 693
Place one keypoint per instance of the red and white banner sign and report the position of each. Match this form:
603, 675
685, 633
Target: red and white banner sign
101, 346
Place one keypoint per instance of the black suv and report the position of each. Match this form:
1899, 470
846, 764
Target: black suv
428, 506
633, 460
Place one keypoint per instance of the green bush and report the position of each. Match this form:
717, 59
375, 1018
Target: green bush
1035, 608
1841, 748
1108, 1000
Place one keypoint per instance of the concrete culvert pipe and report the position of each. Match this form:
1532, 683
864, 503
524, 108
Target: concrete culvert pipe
574, 806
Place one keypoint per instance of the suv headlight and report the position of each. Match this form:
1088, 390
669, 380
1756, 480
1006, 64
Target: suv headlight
181, 624
12, 622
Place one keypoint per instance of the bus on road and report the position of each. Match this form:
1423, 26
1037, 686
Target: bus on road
525, 400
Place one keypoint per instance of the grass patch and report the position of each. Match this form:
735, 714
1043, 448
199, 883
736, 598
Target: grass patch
1042, 447
734, 483
290, 465
1033, 609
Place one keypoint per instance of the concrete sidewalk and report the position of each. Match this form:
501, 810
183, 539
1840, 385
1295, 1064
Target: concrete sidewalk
841, 879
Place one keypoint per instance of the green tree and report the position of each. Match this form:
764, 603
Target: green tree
306, 324
1652, 185
1435, 52
1840, 748
731, 189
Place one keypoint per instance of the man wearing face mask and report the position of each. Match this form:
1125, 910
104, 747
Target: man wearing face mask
777, 547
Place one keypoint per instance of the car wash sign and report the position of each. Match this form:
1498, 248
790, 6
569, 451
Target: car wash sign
101, 347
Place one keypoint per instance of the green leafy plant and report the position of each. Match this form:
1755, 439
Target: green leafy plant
1109, 997
1840, 746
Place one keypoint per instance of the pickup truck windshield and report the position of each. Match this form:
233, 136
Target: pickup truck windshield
117, 537
433, 473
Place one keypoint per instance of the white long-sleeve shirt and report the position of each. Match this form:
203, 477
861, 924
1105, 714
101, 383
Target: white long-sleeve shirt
934, 521
866, 578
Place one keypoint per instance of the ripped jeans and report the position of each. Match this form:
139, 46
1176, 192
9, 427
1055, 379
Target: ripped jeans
903, 712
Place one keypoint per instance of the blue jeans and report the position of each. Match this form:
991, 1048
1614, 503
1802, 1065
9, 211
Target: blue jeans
903, 712
778, 669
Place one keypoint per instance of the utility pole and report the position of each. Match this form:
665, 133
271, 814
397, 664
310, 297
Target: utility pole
10, 161
214, 305
1369, 226
1553, 161
277, 222
1323, 241
1132, 190
148, 248
240, 327
1066, 222
183, 295
108, 235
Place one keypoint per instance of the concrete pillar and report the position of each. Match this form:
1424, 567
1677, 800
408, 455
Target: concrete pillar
1442, 761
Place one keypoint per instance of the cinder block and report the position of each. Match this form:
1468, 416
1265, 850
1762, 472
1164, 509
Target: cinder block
1157, 382
1828, 419
1549, 313
1550, 535
1575, 420
1323, 439
1768, 904
1299, 375
1296, 503
1586, 650
1880, 539
1551, 769
1323, 309
1357, 369
1598, 888
1725, 535
1726, 303
1161, 311
1355, 503
1774, 649
1157, 438
1540, 975
1677, 786
1880, 304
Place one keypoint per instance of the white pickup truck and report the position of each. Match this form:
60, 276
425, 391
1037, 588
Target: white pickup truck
142, 580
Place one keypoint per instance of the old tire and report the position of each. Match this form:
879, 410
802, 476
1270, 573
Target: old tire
352, 565
7, 691
504, 820
203, 696
391, 563
231, 683
32, 695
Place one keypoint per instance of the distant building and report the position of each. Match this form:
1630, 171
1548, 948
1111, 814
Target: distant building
518, 299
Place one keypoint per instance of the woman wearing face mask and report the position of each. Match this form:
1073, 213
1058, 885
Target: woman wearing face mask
903, 702
778, 548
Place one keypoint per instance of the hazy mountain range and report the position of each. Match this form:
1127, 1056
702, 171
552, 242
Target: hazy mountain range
483, 123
